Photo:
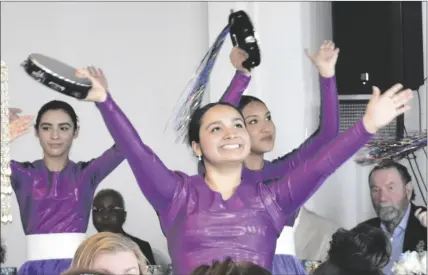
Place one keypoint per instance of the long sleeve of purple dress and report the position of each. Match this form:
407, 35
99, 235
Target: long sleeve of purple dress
99, 168
199, 224
59, 202
292, 190
155, 180
328, 129
236, 88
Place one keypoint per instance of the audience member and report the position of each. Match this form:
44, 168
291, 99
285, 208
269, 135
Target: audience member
229, 267
363, 250
391, 192
109, 215
84, 271
108, 252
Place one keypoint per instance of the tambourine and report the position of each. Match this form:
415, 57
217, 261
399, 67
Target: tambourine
241, 31
56, 75
243, 36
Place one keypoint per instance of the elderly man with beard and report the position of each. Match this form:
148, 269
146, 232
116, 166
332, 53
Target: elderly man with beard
403, 222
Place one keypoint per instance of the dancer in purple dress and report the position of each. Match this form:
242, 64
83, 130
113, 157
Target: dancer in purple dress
224, 214
261, 129
55, 194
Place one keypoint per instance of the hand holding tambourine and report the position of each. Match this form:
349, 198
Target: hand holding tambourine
98, 92
421, 215
237, 58
243, 36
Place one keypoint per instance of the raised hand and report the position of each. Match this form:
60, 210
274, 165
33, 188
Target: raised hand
19, 126
98, 93
325, 58
382, 109
421, 215
14, 113
237, 57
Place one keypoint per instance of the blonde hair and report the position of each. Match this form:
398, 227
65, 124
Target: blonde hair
106, 242
83, 271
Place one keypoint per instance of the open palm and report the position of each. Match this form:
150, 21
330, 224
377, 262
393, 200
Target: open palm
98, 92
325, 58
20, 126
382, 109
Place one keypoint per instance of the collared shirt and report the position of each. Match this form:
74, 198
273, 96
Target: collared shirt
397, 241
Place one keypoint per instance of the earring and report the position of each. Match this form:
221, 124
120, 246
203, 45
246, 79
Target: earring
199, 158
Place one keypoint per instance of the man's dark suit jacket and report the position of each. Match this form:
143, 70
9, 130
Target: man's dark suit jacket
144, 247
415, 235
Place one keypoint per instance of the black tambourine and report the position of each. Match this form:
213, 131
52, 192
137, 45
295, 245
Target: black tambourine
243, 36
56, 75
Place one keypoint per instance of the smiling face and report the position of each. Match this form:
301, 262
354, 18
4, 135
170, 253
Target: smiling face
260, 127
222, 136
56, 132
117, 263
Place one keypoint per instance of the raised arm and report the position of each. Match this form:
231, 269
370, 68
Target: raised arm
18, 126
241, 79
295, 188
157, 182
99, 168
236, 88
325, 61
326, 132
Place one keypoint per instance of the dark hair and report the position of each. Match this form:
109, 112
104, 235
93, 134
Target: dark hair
198, 115
401, 169
56, 105
363, 250
229, 267
247, 99
2, 252
110, 193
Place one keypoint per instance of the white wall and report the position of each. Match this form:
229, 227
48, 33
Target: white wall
134, 43
288, 83
350, 180
286, 80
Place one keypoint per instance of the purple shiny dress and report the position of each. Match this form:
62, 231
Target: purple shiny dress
327, 131
58, 202
201, 226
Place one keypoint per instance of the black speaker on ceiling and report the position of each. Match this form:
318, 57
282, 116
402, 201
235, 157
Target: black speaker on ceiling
381, 44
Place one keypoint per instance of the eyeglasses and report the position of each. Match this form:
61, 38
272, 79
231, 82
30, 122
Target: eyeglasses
115, 209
